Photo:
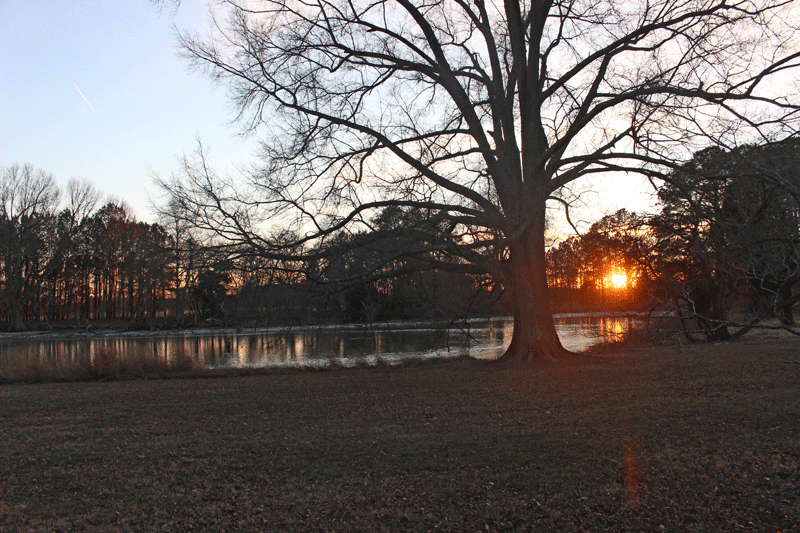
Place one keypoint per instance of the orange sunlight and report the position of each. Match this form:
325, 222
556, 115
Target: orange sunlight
619, 280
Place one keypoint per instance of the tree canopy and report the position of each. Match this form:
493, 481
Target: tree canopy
730, 225
478, 115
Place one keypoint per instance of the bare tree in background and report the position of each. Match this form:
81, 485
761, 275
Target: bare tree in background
28, 202
478, 114
82, 200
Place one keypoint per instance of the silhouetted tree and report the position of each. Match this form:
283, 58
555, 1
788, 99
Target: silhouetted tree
209, 293
729, 221
28, 202
479, 113
71, 277
764, 221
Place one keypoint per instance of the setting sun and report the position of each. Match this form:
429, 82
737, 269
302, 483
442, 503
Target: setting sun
619, 280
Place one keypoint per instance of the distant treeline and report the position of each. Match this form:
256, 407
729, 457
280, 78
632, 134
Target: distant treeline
78, 265
723, 252
726, 241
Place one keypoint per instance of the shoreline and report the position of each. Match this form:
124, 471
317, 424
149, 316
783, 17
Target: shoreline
204, 330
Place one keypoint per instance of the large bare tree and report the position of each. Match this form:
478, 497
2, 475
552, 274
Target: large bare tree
478, 113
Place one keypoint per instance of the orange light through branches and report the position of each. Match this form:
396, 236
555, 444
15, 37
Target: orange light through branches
619, 280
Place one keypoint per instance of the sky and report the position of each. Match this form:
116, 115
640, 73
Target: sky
95, 90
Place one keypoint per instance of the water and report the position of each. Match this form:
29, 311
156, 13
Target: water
317, 346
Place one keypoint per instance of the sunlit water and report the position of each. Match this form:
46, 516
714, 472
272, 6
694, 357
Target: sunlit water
314, 346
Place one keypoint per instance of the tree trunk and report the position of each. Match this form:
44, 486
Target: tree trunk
782, 299
15, 318
534, 336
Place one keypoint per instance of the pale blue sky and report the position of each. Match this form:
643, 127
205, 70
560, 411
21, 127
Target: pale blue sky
145, 106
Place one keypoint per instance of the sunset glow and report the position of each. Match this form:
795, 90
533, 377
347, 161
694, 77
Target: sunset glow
619, 280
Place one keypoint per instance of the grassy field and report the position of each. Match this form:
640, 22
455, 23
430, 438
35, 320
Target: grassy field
703, 438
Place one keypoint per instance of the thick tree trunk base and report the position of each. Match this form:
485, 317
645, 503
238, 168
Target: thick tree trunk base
525, 349
534, 340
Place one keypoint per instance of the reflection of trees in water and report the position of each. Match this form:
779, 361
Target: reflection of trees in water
482, 339
579, 332
614, 328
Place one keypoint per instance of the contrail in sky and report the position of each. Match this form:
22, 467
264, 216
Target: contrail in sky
84, 98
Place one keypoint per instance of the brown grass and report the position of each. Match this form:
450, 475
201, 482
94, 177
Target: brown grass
692, 438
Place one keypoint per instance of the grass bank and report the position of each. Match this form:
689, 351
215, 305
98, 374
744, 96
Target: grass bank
703, 438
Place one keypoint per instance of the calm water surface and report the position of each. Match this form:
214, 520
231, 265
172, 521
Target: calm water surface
347, 345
